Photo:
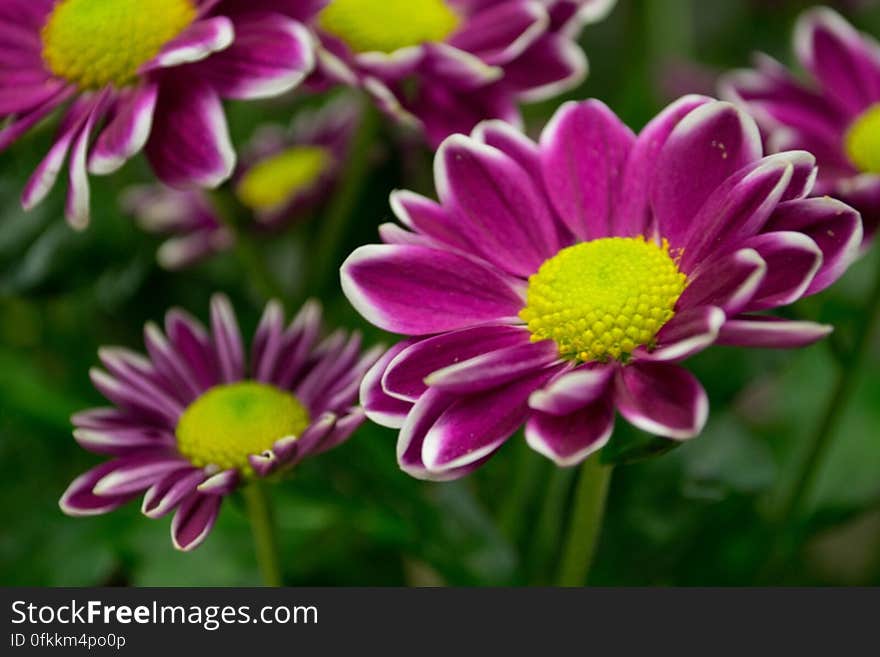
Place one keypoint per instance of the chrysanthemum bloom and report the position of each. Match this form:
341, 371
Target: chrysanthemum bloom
140, 75
193, 421
445, 65
836, 116
282, 176
557, 282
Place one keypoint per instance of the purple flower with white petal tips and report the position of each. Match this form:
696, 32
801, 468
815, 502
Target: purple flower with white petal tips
197, 418
282, 175
445, 65
136, 76
836, 116
557, 283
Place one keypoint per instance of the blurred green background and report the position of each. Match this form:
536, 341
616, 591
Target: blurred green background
698, 514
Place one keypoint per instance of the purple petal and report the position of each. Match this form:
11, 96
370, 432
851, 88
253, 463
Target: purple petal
514, 144
498, 207
428, 218
127, 132
634, 216
199, 41
164, 496
379, 406
475, 426
189, 143
833, 226
552, 65
264, 463
706, 147
569, 439
267, 342
501, 33
792, 261
194, 520
846, 64
584, 150
271, 55
412, 437
137, 473
742, 205
662, 399
292, 449
170, 365
495, 368
771, 332
342, 431
80, 500
572, 390
118, 442
227, 339
686, 334
193, 345
417, 291
404, 376
729, 282
221, 483
299, 339
143, 398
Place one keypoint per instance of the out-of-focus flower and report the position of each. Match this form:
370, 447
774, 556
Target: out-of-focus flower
445, 65
193, 421
557, 282
283, 174
140, 75
836, 117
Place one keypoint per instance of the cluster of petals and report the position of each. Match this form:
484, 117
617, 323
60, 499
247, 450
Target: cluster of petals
149, 395
815, 115
453, 278
173, 111
501, 53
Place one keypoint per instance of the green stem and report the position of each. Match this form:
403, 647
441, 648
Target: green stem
549, 525
348, 192
850, 362
263, 529
585, 522
232, 214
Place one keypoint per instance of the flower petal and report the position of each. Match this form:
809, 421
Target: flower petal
193, 521
380, 407
475, 426
494, 369
833, 226
127, 132
197, 42
227, 339
572, 390
404, 376
271, 55
189, 144
706, 148
80, 500
496, 203
728, 283
792, 261
136, 473
662, 399
771, 332
500, 33
569, 439
163, 497
686, 334
415, 290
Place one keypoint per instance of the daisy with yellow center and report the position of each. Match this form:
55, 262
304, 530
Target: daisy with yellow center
195, 420
558, 284
137, 75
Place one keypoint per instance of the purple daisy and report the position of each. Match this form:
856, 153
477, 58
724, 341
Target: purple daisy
283, 174
140, 75
836, 116
193, 421
557, 282
445, 65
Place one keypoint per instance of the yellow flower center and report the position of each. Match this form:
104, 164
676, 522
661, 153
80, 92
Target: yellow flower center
279, 179
94, 43
602, 299
387, 25
230, 422
863, 141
